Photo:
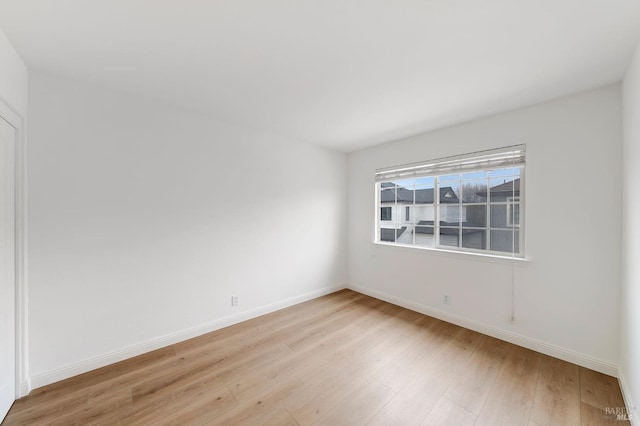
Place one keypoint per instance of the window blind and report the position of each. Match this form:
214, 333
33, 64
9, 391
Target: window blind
511, 156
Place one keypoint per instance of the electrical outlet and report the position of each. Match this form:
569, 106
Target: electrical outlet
234, 300
446, 299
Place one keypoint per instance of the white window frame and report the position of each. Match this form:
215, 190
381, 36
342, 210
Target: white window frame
458, 165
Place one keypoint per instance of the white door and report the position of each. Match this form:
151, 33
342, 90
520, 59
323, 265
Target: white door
7, 268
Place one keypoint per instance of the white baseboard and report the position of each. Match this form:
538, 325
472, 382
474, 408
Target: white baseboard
25, 388
508, 336
43, 379
628, 399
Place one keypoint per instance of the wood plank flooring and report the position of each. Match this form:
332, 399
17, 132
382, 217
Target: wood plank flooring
343, 359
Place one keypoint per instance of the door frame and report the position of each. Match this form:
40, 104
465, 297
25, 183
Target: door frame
22, 381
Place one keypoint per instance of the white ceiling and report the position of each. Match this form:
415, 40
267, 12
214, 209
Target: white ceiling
341, 73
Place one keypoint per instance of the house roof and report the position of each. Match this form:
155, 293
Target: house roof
422, 196
504, 188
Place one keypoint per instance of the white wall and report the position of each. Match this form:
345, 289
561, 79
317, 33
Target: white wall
13, 77
14, 97
630, 297
145, 220
567, 295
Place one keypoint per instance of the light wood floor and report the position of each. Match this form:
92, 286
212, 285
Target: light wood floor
341, 359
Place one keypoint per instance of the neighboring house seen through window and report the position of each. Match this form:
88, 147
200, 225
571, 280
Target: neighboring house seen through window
464, 203
385, 213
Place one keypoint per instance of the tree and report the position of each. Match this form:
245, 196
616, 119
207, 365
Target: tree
473, 192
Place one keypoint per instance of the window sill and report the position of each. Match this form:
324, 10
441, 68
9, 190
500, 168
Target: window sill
458, 254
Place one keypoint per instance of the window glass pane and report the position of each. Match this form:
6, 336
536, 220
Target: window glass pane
424, 191
406, 183
474, 191
423, 214
404, 235
425, 181
388, 234
450, 192
424, 236
474, 238
387, 193
449, 178
498, 216
502, 240
504, 173
385, 213
426, 230
449, 236
474, 215
449, 214
404, 191
474, 175
502, 189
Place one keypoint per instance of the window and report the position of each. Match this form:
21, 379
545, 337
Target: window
385, 213
469, 203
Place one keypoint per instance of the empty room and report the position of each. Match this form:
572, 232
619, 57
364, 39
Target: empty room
320, 212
